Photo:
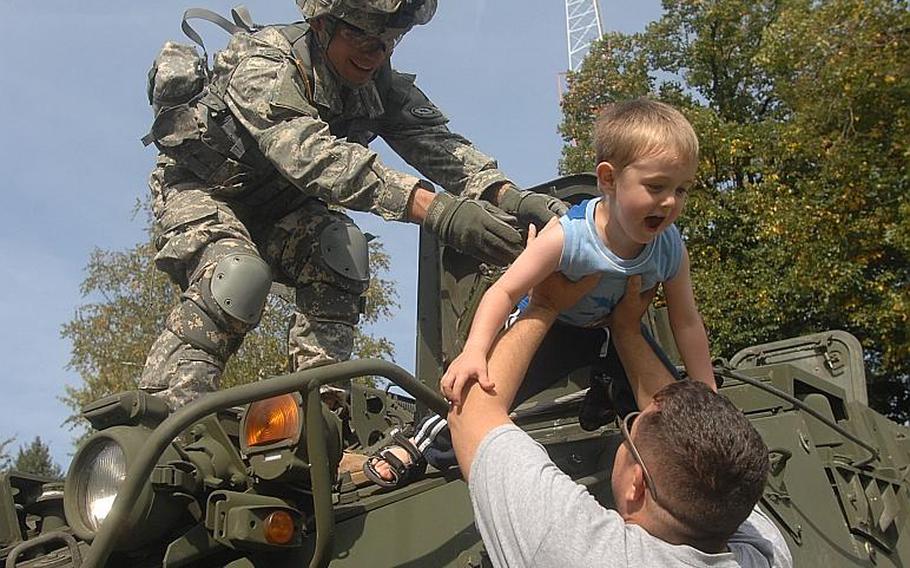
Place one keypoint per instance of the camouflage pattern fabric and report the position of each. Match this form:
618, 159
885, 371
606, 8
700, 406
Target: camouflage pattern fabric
307, 128
388, 19
196, 230
310, 132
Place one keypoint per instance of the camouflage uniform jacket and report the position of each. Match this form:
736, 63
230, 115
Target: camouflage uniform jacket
313, 130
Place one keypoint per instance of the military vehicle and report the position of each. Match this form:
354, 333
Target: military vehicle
249, 476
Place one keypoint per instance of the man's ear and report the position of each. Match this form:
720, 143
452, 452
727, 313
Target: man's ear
605, 177
635, 491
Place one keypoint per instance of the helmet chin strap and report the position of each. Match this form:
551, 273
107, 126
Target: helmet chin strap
323, 36
324, 33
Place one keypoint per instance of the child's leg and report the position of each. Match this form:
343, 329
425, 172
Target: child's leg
438, 450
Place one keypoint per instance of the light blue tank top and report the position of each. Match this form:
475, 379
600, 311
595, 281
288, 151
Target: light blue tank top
584, 253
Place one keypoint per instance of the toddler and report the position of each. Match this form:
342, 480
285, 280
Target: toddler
647, 154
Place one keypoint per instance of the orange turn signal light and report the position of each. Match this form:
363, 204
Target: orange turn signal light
272, 420
279, 528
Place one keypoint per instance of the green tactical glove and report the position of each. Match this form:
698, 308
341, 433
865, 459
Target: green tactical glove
531, 207
474, 227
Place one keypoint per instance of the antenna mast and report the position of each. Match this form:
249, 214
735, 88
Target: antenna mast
583, 26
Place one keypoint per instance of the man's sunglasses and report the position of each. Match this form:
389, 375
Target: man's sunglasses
364, 41
625, 426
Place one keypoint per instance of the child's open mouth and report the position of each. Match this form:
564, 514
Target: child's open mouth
653, 221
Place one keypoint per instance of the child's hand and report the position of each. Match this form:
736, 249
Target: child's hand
467, 366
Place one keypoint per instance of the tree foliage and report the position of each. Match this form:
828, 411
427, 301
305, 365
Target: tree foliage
4, 453
800, 221
129, 302
36, 458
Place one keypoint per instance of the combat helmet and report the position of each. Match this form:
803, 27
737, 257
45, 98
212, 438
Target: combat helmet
387, 19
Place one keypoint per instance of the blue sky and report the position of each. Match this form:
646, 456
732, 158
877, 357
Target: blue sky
73, 107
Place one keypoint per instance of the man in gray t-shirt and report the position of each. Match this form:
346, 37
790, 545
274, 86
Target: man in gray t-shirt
674, 507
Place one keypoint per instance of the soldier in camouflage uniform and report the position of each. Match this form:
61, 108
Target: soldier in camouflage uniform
252, 171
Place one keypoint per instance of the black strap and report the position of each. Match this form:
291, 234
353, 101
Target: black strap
243, 19
241, 16
400, 439
399, 467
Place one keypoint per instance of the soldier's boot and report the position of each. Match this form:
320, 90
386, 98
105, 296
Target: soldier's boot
206, 328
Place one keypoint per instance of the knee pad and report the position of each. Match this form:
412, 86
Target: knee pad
344, 249
336, 290
240, 286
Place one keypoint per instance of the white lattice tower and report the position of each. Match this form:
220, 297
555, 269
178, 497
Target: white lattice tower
583, 26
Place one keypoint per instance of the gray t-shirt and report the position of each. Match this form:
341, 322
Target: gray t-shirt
530, 513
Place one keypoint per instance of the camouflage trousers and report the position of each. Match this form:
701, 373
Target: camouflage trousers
195, 230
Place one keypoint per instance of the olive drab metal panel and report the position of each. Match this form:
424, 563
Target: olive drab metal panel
835, 355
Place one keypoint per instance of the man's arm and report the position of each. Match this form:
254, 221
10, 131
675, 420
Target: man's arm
424, 141
481, 411
510, 356
450, 160
646, 372
267, 98
533, 265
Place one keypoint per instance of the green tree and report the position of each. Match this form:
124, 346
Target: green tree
801, 216
111, 334
36, 458
4, 454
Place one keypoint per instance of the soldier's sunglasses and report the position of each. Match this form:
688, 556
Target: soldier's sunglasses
625, 426
364, 41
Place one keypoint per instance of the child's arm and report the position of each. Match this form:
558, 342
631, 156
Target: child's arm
687, 325
536, 262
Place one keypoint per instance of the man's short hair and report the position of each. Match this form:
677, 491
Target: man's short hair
710, 464
627, 131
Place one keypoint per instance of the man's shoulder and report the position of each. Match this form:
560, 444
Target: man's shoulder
532, 514
758, 542
269, 42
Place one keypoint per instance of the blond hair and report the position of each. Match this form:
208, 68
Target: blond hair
627, 131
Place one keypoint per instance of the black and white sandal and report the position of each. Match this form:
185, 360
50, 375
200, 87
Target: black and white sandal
402, 472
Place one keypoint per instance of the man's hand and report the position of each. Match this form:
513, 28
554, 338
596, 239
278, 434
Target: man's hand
557, 293
627, 314
647, 374
474, 227
530, 207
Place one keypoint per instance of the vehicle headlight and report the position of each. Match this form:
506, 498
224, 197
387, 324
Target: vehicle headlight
104, 464
98, 473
